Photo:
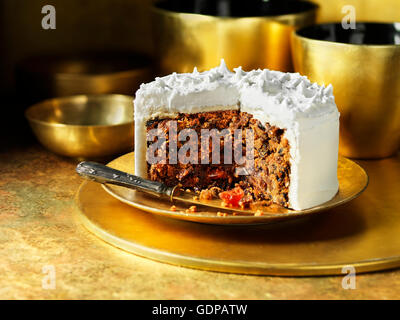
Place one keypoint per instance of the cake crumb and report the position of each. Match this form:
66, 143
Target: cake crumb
173, 208
206, 194
221, 214
192, 209
209, 194
224, 204
259, 213
196, 198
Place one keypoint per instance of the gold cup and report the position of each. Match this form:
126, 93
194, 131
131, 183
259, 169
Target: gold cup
363, 65
84, 126
185, 40
44, 77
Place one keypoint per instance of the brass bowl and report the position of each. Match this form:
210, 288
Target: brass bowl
252, 35
366, 10
363, 65
84, 126
44, 77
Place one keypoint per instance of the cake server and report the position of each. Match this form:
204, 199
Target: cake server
106, 175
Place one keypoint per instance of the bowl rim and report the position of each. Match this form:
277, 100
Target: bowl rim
65, 125
88, 76
146, 67
177, 14
295, 34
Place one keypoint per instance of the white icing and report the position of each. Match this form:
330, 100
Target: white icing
287, 100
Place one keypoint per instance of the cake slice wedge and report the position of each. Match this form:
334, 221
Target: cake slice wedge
248, 137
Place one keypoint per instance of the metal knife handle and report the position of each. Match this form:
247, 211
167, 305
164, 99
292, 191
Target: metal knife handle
103, 174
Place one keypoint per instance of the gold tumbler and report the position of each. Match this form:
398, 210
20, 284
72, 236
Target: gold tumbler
198, 33
363, 65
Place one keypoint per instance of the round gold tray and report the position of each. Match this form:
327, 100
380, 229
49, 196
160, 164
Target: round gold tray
352, 182
362, 233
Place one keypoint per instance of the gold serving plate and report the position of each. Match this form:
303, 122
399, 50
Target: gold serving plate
362, 233
352, 180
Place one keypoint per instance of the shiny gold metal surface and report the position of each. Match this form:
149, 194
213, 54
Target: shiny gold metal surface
366, 86
365, 10
84, 126
352, 182
362, 233
45, 77
186, 40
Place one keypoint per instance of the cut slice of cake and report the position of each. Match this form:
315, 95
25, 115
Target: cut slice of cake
259, 136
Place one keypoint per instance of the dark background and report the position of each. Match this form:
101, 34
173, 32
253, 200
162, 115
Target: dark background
81, 26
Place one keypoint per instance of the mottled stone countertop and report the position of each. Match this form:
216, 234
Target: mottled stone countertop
38, 229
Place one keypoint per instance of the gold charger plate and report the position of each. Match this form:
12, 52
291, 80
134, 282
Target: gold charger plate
362, 233
352, 182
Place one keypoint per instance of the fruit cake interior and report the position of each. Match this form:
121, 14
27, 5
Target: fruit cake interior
270, 179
